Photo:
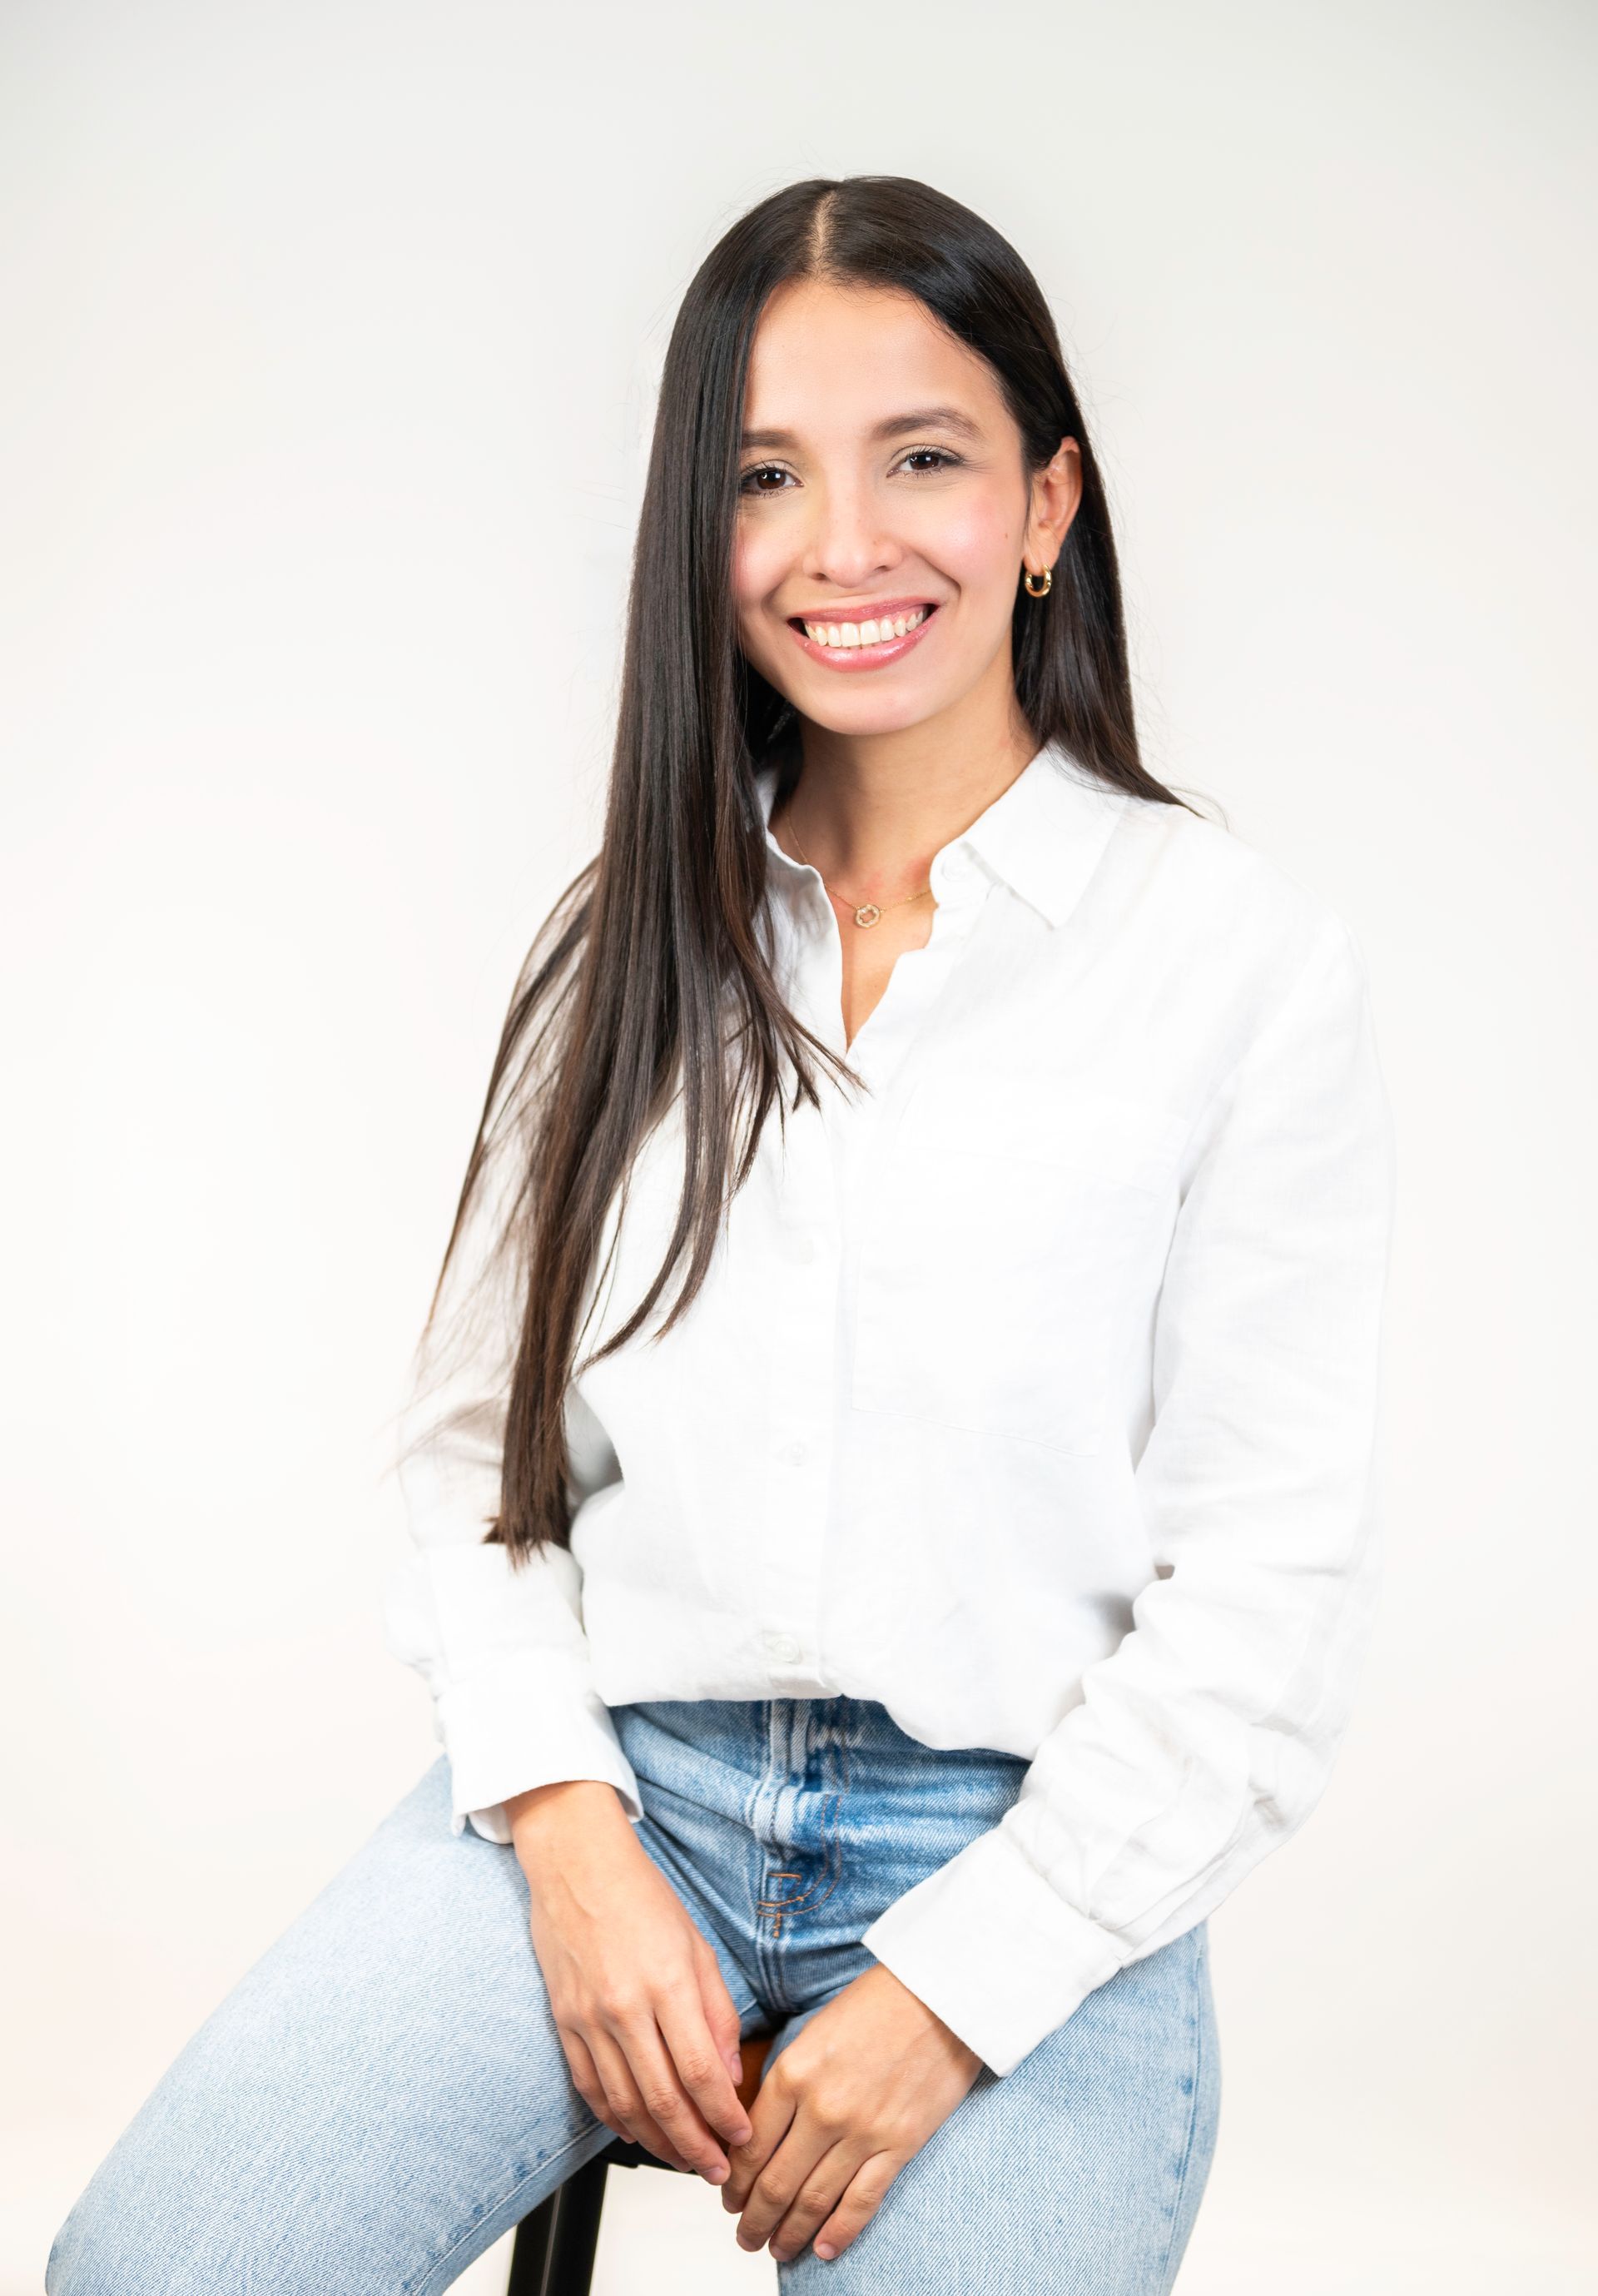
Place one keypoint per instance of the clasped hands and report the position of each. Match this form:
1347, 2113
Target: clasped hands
651, 2038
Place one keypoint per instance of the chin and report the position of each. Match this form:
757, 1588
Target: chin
865, 714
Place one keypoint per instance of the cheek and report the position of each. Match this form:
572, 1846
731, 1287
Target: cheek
759, 567
759, 562
976, 544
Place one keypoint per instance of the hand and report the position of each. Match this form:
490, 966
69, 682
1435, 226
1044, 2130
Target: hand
644, 2016
849, 2100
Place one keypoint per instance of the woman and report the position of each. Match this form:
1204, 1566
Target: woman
890, 1456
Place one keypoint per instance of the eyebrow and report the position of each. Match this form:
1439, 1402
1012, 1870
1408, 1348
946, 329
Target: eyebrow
919, 418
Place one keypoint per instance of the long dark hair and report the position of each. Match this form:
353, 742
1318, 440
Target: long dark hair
651, 963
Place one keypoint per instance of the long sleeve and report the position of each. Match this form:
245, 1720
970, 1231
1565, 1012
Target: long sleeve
1206, 1737
502, 1651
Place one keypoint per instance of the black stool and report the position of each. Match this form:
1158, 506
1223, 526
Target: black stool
555, 2246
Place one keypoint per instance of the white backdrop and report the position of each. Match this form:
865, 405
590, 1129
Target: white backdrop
332, 330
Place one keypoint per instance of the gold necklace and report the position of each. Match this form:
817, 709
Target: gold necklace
866, 913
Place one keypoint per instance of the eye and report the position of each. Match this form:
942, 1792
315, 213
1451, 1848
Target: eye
762, 470
939, 455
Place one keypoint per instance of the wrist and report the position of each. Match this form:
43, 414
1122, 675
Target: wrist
540, 1810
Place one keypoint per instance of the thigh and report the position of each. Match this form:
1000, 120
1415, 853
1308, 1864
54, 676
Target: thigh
380, 2098
1077, 2174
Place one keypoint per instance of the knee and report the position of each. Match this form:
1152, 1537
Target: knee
83, 2260
139, 2228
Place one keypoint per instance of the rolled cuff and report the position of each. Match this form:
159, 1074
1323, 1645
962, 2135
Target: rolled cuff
531, 1721
993, 1950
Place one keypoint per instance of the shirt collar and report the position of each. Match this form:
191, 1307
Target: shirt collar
1043, 836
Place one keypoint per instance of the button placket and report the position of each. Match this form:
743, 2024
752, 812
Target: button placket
801, 1400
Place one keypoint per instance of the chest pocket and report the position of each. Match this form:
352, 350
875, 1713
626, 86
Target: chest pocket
1013, 1238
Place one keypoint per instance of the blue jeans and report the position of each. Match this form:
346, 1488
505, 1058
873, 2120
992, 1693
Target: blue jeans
384, 2094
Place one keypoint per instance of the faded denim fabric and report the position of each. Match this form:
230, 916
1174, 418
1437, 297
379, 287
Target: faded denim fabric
384, 2095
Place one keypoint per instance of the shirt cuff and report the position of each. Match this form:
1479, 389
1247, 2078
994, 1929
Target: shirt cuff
993, 1950
530, 1721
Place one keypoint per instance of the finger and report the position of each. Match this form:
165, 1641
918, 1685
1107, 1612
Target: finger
621, 2104
815, 2199
779, 2182
770, 2121
585, 2076
727, 2027
664, 2099
624, 2109
699, 2067
859, 2203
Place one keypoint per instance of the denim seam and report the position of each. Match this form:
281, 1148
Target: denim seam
421, 2287
1195, 1987
757, 1785
832, 1876
834, 1856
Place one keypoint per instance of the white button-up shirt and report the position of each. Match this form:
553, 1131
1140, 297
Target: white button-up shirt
1032, 1392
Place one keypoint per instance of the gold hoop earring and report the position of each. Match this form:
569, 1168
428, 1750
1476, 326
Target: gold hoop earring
1044, 586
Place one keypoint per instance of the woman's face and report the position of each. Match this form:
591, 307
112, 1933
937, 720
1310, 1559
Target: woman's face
883, 481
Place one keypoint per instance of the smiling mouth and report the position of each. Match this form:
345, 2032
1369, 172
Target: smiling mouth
851, 636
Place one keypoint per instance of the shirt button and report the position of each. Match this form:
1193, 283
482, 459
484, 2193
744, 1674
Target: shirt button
783, 1646
794, 1454
804, 1249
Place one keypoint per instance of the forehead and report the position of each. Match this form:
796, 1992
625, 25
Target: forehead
832, 359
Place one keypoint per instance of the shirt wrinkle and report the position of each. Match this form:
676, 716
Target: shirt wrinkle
1086, 1286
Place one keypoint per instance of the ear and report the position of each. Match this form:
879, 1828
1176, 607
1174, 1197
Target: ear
1056, 495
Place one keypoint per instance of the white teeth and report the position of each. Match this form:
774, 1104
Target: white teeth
859, 634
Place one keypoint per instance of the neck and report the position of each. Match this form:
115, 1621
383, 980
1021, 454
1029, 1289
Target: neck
872, 809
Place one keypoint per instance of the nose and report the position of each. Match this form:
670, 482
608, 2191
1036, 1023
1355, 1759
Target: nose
850, 539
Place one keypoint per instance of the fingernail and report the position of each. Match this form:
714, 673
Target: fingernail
824, 2250
719, 2174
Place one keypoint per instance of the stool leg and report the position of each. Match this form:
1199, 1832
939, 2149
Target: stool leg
555, 2246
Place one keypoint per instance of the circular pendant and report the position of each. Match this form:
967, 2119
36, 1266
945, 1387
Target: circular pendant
868, 913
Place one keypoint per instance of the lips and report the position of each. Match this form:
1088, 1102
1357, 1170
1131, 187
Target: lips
847, 659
